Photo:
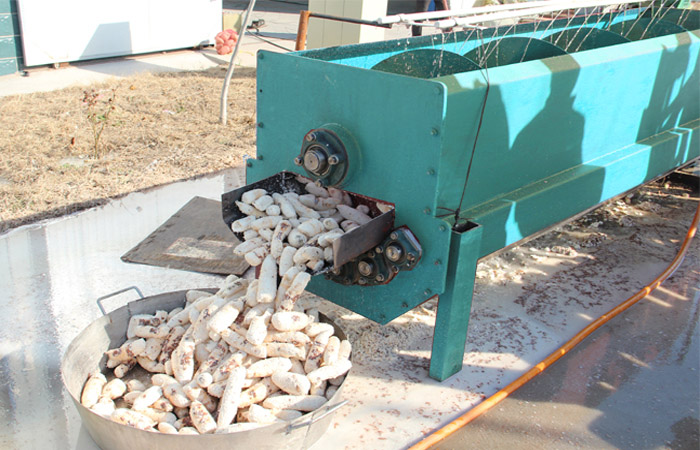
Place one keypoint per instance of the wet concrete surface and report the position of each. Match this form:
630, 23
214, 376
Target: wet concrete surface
527, 302
634, 383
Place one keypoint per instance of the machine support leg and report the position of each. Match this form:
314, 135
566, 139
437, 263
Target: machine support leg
454, 305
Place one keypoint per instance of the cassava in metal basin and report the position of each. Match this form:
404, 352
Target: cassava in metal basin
86, 353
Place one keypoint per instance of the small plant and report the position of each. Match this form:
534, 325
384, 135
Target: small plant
99, 106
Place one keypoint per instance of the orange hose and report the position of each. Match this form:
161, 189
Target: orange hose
441, 433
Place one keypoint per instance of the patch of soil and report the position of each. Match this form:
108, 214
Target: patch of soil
164, 127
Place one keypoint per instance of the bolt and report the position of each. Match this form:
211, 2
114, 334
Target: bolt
434, 131
311, 137
426, 210
380, 278
261, 125
411, 257
442, 228
318, 183
365, 268
395, 269
394, 252
333, 160
394, 236
362, 281
427, 292
379, 250
431, 172
298, 161
370, 254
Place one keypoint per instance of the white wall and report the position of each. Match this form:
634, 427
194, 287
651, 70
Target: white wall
74, 30
327, 33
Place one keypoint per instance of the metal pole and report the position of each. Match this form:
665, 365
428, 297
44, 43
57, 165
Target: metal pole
301, 31
223, 116
461, 21
563, 4
371, 23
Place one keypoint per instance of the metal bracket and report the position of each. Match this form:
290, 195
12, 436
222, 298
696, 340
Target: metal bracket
399, 251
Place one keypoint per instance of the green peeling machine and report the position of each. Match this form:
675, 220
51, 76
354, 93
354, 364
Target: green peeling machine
464, 143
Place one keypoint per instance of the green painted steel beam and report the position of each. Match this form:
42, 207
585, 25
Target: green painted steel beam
454, 305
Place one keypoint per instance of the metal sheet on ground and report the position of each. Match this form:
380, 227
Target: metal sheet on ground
195, 238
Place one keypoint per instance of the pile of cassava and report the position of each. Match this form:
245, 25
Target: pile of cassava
250, 354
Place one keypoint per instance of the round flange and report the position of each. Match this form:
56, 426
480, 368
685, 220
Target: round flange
324, 157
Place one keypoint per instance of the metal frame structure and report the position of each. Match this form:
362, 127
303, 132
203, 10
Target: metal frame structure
543, 121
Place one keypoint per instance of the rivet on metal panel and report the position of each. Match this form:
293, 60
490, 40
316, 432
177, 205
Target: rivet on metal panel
438, 90
438, 262
259, 157
249, 163
404, 305
426, 210
434, 131
261, 56
442, 228
260, 125
431, 172
427, 292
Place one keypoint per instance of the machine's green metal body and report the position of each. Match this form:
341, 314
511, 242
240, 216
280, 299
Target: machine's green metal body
560, 133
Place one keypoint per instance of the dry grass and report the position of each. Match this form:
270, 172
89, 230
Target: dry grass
164, 128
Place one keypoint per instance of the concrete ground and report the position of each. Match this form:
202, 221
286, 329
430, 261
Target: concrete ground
634, 383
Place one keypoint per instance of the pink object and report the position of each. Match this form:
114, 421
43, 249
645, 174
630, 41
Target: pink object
225, 41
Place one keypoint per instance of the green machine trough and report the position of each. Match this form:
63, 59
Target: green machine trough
478, 139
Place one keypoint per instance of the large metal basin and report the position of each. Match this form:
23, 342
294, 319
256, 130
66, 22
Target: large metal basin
86, 352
